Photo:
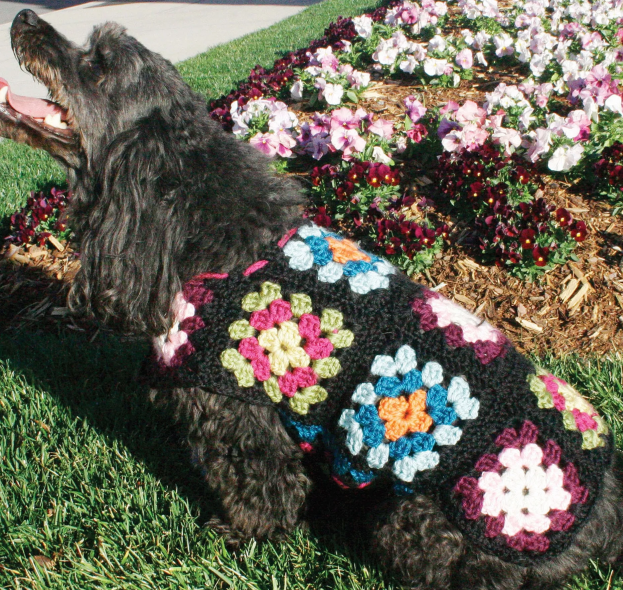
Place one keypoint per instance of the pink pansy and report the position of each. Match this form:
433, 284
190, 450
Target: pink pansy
347, 140
473, 136
332, 93
417, 132
346, 69
415, 109
285, 144
497, 119
450, 107
541, 144
345, 118
507, 138
591, 40
452, 141
470, 112
267, 143
358, 79
382, 128
465, 59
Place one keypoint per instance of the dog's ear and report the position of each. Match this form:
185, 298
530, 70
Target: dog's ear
133, 231
104, 45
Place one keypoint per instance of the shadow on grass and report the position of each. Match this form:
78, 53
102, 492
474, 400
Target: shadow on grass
95, 379
93, 374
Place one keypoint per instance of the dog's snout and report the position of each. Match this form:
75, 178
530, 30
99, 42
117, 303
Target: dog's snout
26, 17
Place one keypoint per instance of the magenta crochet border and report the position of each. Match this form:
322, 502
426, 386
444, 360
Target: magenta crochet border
485, 350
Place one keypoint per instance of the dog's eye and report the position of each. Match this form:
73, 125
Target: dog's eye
96, 68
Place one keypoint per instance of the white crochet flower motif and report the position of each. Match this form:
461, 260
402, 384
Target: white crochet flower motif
302, 257
525, 492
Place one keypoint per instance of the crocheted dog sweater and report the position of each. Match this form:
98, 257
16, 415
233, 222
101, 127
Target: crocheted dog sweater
388, 379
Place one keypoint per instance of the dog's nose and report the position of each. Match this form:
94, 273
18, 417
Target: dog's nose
26, 17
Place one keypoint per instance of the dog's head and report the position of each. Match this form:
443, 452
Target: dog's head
160, 191
98, 90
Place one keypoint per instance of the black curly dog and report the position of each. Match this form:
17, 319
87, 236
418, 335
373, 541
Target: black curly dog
162, 194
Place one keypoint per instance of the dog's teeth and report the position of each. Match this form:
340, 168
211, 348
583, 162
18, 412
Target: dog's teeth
55, 121
3, 92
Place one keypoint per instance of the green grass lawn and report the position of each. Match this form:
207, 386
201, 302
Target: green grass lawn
96, 481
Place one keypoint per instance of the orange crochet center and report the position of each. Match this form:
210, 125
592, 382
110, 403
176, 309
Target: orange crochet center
346, 251
403, 415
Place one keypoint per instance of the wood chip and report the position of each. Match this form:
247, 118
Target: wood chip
569, 290
528, 325
56, 243
596, 332
579, 296
439, 287
577, 271
36, 252
463, 299
473, 265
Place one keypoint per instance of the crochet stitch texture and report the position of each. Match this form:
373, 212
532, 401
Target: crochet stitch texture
392, 381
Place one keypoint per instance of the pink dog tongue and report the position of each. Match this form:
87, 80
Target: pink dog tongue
37, 108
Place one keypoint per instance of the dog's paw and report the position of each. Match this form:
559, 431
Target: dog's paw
233, 539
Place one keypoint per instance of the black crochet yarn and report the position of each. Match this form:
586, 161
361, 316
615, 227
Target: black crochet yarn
383, 320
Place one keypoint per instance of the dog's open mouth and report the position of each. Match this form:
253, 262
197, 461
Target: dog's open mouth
47, 116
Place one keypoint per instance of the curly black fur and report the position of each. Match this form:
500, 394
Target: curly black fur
161, 194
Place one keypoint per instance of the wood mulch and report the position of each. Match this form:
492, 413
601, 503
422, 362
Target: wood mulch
577, 307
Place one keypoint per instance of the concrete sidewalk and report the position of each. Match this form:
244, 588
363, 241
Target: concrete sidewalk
178, 30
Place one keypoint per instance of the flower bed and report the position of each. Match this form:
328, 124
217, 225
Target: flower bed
438, 130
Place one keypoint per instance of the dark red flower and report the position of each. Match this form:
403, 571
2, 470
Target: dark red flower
417, 132
563, 217
374, 178
443, 231
526, 237
578, 231
540, 255
356, 173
